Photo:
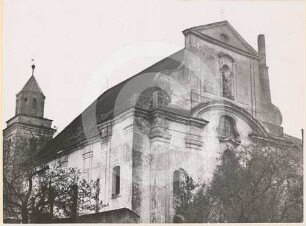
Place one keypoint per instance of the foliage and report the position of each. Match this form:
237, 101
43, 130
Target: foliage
39, 194
56, 188
251, 184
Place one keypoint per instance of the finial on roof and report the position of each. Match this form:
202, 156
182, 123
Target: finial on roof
222, 14
33, 67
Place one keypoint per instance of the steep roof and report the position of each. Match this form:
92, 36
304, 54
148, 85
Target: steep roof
32, 85
111, 103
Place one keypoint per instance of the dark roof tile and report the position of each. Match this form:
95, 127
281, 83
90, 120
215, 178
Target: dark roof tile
112, 102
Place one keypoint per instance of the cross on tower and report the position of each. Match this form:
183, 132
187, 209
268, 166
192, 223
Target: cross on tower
33, 66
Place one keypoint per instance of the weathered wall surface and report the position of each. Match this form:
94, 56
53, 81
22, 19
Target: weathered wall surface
202, 81
108, 152
205, 63
25, 103
159, 156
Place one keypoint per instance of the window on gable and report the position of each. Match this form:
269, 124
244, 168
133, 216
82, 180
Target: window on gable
224, 38
116, 181
226, 128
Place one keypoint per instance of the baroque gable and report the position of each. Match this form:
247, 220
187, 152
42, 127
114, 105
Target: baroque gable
222, 33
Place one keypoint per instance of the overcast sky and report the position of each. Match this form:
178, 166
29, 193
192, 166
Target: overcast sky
78, 44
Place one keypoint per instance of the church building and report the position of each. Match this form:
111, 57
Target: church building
175, 117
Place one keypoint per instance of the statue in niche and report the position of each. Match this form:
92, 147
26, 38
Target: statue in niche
227, 82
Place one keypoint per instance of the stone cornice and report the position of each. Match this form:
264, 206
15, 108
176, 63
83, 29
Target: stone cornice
172, 116
278, 141
156, 133
197, 122
28, 116
26, 125
73, 148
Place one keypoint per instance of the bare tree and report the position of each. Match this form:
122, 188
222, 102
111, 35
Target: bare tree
19, 171
37, 193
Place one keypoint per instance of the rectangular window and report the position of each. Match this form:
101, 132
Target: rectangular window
87, 165
116, 181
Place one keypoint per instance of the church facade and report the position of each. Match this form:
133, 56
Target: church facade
176, 116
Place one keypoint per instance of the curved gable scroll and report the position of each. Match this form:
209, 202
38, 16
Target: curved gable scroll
231, 108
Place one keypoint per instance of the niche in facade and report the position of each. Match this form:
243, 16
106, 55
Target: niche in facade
226, 63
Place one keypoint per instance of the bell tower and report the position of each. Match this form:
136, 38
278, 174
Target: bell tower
30, 100
25, 135
29, 118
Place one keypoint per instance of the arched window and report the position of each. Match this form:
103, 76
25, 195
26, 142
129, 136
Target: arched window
176, 184
116, 181
227, 127
226, 81
178, 180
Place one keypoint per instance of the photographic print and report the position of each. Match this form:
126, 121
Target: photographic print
161, 111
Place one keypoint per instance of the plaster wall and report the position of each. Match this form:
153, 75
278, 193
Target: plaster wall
161, 156
108, 152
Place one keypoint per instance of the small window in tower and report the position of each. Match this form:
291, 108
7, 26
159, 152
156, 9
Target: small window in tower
34, 103
25, 99
116, 181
